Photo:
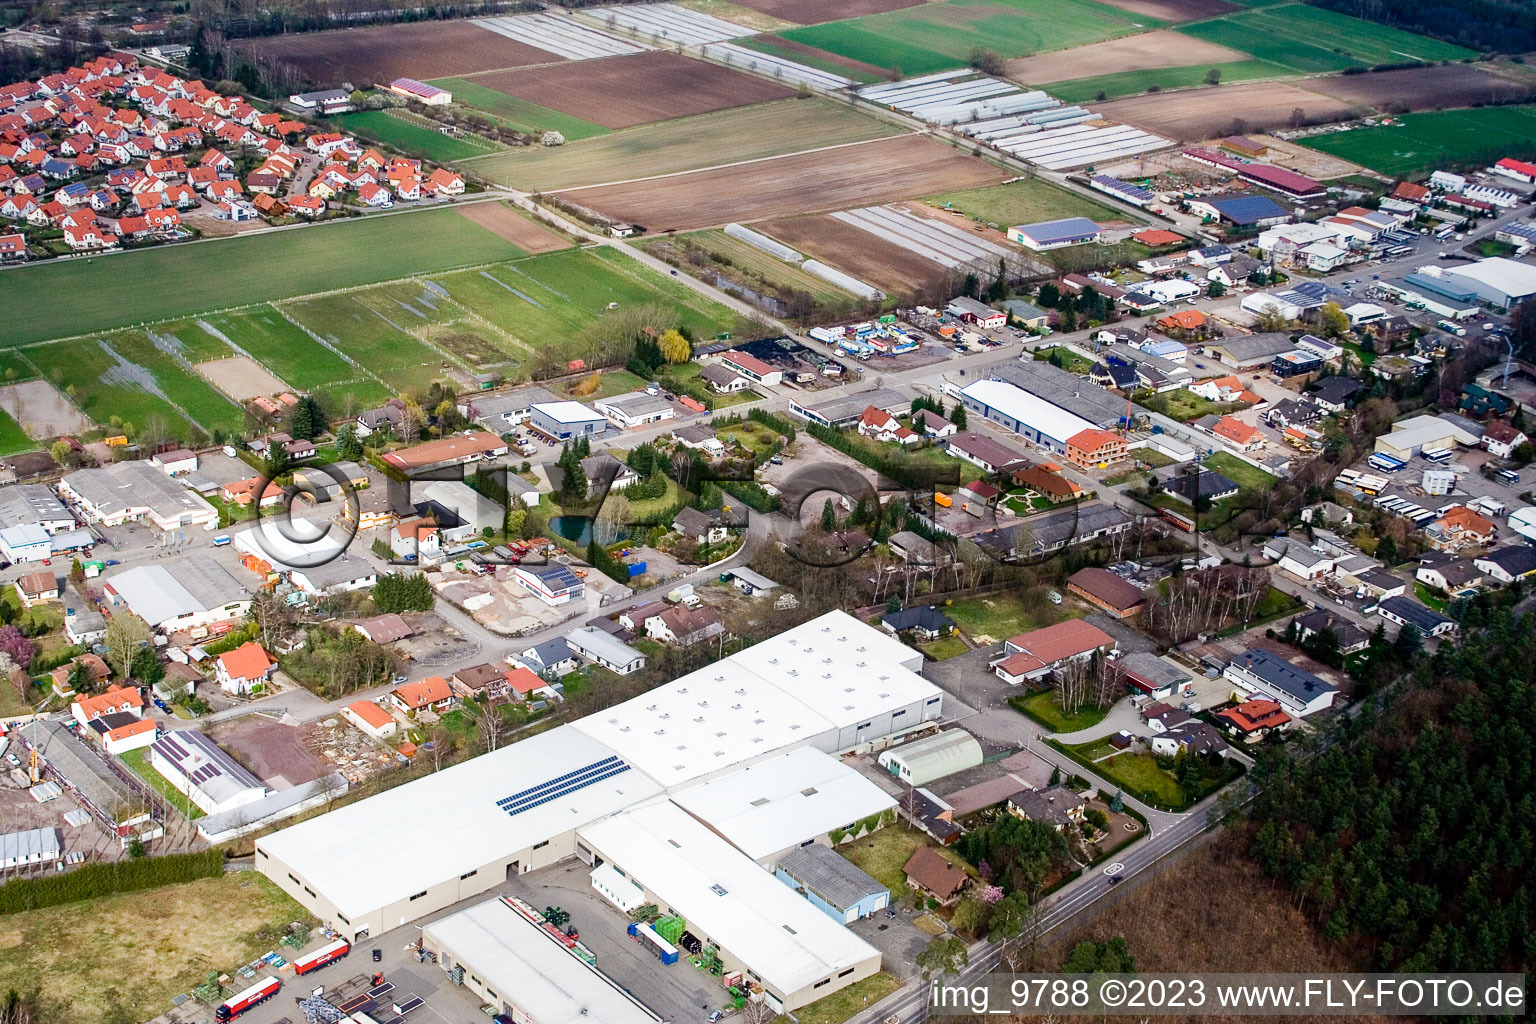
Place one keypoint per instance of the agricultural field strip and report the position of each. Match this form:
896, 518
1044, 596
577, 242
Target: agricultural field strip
562, 36
775, 66
469, 138
1312, 39
736, 163
665, 22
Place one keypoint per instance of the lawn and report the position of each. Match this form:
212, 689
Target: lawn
518, 114
1430, 598
413, 139
938, 36
1069, 360
1134, 83
195, 343
1246, 476
172, 282
1044, 708
1436, 139
845, 1002
1023, 202
124, 957
1003, 615
944, 648
610, 383
1185, 405
1311, 39
12, 438
125, 375
1139, 775
546, 301
293, 356
686, 144
756, 437
883, 853
138, 762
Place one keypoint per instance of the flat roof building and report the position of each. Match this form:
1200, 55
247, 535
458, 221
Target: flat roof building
128, 491
757, 924
1054, 234
190, 592
1025, 414
524, 973
1063, 389
784, 802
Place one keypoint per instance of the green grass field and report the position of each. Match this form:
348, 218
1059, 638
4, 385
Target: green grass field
119, 375
518, 114
1021, 202
381, 126
195, 343
363, 325
768, 46
1238, 471
686, 144
1045, 709
546, 301
1444, 138
1134, 83
179, 280
1310, 39
12, 438
137, 761
939, 36
14, 366
287, 351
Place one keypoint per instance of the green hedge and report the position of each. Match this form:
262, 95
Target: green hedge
913, 474
96, 880
750, 494
774, 421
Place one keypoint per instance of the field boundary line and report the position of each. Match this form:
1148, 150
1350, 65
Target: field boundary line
735, 163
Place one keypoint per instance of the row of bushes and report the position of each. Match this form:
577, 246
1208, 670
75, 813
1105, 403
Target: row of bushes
751, 494
912, 474
95, 880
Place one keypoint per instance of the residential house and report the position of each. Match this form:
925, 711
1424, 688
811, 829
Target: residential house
1255, 719
1031, 656
1508, 564
486, 679
706, 527
1501, 439
722, 379
1244, 436
684, 627
1405, 612
550, 659
243, 669
1335, 394
433, 694
37, 588
929, 873
1350, 636
882, 426
1094, 448
1190, 737
1460, 527
979, 450
925, 621
1048, 483
117, 700
1446, 572
1056, 806
601, 648
931, 424
1298, 558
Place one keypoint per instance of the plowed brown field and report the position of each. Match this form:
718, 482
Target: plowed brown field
1193, 114
831, 179
423, 50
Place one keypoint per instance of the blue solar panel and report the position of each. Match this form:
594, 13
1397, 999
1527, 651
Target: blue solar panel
564, 785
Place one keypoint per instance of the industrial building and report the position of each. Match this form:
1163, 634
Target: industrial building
1499, 281
933, 757
200, 768
524, 972
1054, 234
1412, 435
832, 884
1259, 672
756, 924
844, 412
130, 491
1064, 390
800, 796
565, 420
1023, 413
636, 409
199, 594
833, 684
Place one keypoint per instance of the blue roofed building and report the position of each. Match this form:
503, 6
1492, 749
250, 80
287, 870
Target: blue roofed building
1054, 234
1241, 210
1124, 191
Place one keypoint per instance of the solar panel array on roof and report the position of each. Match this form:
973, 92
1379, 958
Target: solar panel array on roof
555, 788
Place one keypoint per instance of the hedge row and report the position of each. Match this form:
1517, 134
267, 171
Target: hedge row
750, 494
96, 880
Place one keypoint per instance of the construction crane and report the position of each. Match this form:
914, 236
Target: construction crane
34, 759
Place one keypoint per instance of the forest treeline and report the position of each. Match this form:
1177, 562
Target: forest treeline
1499, 26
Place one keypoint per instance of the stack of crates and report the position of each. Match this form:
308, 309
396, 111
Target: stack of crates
671, 929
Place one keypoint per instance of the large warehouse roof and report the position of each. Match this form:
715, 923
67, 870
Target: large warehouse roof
1016, 403
156, 595
1065, 390
784, 801
723, 894
830, 673
515, 957
384, 849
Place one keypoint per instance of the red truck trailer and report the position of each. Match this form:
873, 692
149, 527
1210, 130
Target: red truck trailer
322, 956
258, 993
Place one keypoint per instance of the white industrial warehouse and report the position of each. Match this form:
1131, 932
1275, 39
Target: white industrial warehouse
830, 685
